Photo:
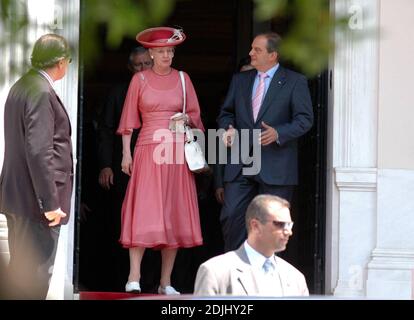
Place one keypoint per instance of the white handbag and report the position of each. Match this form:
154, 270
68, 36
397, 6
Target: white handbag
193, 153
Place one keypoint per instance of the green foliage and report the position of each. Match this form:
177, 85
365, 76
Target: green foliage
268, 9
308, 42
124, 17
120, 18
4, 5
13, 19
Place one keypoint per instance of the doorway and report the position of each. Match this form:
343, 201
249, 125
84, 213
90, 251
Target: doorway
219, 34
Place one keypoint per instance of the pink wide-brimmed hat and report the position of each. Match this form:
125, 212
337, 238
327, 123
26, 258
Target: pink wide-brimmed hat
160, 37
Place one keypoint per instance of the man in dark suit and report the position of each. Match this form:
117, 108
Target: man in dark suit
272, 105
36, 180
111, 178
110, 144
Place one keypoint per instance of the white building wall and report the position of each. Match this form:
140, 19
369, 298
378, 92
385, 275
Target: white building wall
396, 105
390, 269
370, 238
13, 57
352, 151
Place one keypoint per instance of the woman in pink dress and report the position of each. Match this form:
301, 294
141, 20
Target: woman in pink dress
160, 208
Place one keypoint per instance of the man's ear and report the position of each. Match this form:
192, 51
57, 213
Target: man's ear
254, 225
61, 63
275, 55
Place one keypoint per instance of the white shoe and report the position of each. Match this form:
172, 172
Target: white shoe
133, 287
168, 290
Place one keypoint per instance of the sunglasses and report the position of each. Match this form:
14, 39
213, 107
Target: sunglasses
282, 224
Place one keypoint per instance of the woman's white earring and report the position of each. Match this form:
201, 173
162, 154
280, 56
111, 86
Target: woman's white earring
152, 57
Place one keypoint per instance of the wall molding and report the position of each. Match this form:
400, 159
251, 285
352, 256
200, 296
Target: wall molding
3, 228
356, 179
391, 259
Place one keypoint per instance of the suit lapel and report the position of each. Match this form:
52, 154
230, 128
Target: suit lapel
283, 276
275, 86
57, 98
64, 109
244, 273
61, 103
248, 91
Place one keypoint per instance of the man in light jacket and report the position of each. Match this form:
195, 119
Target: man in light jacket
254, 269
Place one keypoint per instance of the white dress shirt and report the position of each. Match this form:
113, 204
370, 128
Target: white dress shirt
269, 283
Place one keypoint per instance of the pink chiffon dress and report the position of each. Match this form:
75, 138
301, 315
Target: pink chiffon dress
160, 208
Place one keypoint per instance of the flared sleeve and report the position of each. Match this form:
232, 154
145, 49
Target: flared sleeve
130, 118
193, 108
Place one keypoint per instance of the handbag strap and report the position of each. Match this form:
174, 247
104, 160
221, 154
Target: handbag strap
184, 94
188, 133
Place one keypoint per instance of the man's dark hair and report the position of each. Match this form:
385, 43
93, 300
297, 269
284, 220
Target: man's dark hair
48, 50
273, 41
258, 208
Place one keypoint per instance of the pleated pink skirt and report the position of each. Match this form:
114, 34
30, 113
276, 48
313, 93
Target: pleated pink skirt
160, 208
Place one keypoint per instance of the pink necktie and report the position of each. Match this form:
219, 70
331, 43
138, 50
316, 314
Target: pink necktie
258, 97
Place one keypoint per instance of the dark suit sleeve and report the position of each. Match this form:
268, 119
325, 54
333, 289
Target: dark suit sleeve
302, 113
227, 111
218, 175
106, 131
39, 121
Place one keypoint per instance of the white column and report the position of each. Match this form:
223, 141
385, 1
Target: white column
356, 236
352, 150
66, 23
4, 248
13, 63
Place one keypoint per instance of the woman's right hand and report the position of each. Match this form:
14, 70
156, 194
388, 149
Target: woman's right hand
126, 164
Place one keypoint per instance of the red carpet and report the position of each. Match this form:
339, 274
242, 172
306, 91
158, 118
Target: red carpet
90, 295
